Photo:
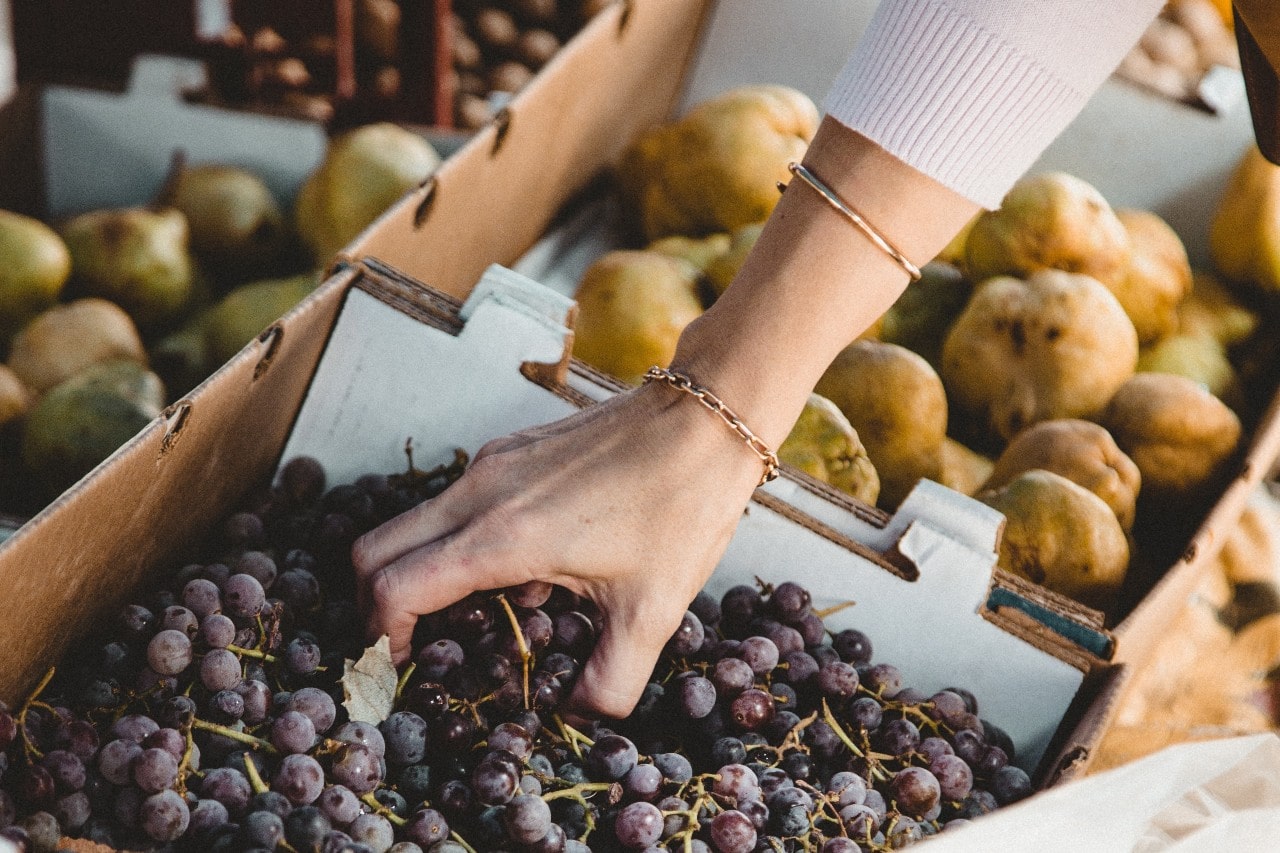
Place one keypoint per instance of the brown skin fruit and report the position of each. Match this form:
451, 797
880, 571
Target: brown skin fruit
66, 339
15, 399
632, 307
1050, 220
1159, 276
1056, 345
1179, 435
896, 402
1061, 536
963, 469
717, 168
825, 446
1083, 452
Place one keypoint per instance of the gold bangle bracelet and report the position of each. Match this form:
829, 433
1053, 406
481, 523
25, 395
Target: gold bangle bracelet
853, 216
683, 383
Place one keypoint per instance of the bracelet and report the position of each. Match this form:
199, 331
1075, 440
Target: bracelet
852, 215
683, 383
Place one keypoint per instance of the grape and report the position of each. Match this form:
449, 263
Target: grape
884, 680
302, 479
66, 770
134, 727
228, 786
839, 845
695, 696
257, 700
731, 676
206, 815
226, 706
638, 825
736, 782
528, 818
316, 704
178, 618
115, 758
643, 782
751, 709
293, 732
305, 827
154, 770
373, 830
915, 790
217, 631
356, 767
300, 778
263, 829
688, 637
853, 646
572, 633
405, 736
969, 745
243, 595
339, 804
955, 778
302, 656
1010, 784
135, 621
611, 758
494, 782
513, 739
365, 734
900, 737
202, 597
244, 529
220, 670
270, 801
799, 667
72, 811
790, 601
427, 826
298, 588
759, 653
837, 680
164, 816
436, 659
733, 832
258, 565
902, 831
674, 767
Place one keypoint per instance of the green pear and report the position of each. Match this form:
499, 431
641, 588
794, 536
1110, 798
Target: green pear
34, 266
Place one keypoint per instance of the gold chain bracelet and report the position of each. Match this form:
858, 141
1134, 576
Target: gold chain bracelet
683, 383
829, 196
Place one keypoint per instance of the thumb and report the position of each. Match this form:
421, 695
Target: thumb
615, 675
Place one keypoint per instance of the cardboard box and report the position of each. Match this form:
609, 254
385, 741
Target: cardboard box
491, 202
110, 535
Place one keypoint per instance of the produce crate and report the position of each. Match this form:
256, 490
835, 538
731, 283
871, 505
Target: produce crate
498, 361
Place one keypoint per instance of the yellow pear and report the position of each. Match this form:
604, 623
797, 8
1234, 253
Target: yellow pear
34, 266
824, 445
1244, 235
66, 339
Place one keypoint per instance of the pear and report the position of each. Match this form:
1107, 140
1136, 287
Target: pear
82, 421
1244, 235
1062, 536
66, 339
34, 267
717, 168
236, 225
244, 312
1159, 276
364, 172
15, 399
824, 445
921, 316
632, 307
1196, 357
1051, 220
137, 258
896, 402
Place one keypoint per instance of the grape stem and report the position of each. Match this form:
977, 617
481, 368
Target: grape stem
29, 748
526, 657
458, 838
572, 736
578, 791
831, 720
372, 802
833, 609
184, 766
255, 778
404, 679
251, 653
256, 742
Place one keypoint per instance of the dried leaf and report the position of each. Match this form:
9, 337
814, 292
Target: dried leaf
369, 684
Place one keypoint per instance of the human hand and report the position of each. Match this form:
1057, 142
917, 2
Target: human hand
629, 503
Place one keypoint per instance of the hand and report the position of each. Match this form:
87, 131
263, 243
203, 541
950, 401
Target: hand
629, 503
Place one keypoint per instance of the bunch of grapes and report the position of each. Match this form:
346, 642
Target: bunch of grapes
210, 717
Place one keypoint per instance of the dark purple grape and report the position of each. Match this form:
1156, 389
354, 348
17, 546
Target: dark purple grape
969, 745
852, 646
494, 782
572, 633
228, 786
216, 631
528, 818
270, 801
643, 782
302, 479
1010, 784
751, 709
970, 701
695, 696
673, 767
790, 601
154, 770
262, 829
305, 827
883, 679
226, 706
513, 739
300, 778
164, 816
316, 704
426, 827
134, 727
258, 565
404, 734
900, 737
731, 676
706, 608
732, 832
202, 597
293, 732
66, 769
759, 653
356, 767
220, 670
688, 637
737, 782
436, 659
339, 804
365, 734
992, 760
915, 791
611, 758
207, 815
116, 757
837, 681
955, 778
739, 605
135, 622
638, 826
902, 831
298, 588
178, 618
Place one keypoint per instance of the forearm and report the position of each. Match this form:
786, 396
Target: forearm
814, 282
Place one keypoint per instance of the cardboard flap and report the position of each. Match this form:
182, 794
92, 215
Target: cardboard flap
387, 376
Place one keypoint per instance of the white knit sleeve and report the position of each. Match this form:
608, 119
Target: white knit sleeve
970, 92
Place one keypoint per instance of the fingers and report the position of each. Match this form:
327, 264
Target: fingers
619, 668
431, 578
